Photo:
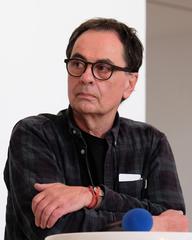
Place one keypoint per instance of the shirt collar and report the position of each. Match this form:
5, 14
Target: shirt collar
111, 135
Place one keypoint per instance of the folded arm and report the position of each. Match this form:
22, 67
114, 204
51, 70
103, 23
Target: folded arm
56, 200
32, 159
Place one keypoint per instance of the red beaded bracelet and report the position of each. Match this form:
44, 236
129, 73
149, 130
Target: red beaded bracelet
95, 196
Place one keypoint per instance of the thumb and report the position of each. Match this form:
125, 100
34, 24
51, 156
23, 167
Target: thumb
42, 186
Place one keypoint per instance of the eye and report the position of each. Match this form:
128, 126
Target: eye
103, 67
78, 64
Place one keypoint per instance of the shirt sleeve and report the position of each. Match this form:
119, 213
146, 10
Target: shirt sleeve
161, 185
31, 153
29, 150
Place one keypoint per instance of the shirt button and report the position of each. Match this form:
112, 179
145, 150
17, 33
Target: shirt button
74, 131
82, 151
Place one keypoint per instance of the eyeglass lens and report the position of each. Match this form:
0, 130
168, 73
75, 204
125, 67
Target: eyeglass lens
100, 70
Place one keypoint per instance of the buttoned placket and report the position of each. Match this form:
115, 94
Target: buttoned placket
110, 162
82, 148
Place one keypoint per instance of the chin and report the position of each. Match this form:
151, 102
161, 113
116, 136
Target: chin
86, 108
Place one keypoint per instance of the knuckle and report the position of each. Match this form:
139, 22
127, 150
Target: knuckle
55, 214
46, 212
41, 207
54, 217
35, 200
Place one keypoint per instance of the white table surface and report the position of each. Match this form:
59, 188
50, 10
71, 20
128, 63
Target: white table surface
122, 236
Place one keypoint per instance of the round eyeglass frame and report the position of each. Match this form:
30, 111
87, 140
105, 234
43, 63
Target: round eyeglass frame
86, 63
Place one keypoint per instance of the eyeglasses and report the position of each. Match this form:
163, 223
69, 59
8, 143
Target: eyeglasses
100, 70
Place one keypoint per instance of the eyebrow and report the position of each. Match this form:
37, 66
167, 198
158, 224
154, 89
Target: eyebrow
103, 60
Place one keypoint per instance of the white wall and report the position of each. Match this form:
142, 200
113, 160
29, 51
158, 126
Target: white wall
169, 84
34, 34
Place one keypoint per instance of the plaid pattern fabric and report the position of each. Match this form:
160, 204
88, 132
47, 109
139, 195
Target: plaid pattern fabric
48, 148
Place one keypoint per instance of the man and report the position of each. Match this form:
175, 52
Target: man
72, 171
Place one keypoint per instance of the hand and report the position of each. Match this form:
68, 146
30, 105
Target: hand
56, 200
170, 221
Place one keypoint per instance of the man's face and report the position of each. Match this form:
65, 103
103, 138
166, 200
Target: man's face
89, 95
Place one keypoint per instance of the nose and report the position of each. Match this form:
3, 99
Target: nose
87, 76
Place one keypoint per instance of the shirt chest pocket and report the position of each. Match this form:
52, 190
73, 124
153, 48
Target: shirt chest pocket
132, 188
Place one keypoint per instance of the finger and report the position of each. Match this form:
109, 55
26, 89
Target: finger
42, 186
48, 210
180, 212
172, 212
56, 214
39, 210
36, 200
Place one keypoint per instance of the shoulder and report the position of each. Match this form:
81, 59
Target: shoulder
140, 131
39, 123
132, 125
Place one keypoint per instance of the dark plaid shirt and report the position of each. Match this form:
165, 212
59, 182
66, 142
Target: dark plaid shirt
49, 148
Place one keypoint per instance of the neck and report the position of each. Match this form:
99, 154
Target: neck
95, 125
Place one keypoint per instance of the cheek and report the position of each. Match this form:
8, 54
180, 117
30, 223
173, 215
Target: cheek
71, 85
110, 92
70, 89
114, 89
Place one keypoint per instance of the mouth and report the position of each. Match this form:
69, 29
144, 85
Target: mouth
85, 95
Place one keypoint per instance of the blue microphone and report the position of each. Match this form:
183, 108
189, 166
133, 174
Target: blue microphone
137, 219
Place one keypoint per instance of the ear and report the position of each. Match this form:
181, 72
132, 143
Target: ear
130, 84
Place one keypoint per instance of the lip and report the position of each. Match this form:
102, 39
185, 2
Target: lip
85, 95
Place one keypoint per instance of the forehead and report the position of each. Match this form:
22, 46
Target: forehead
94, 45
